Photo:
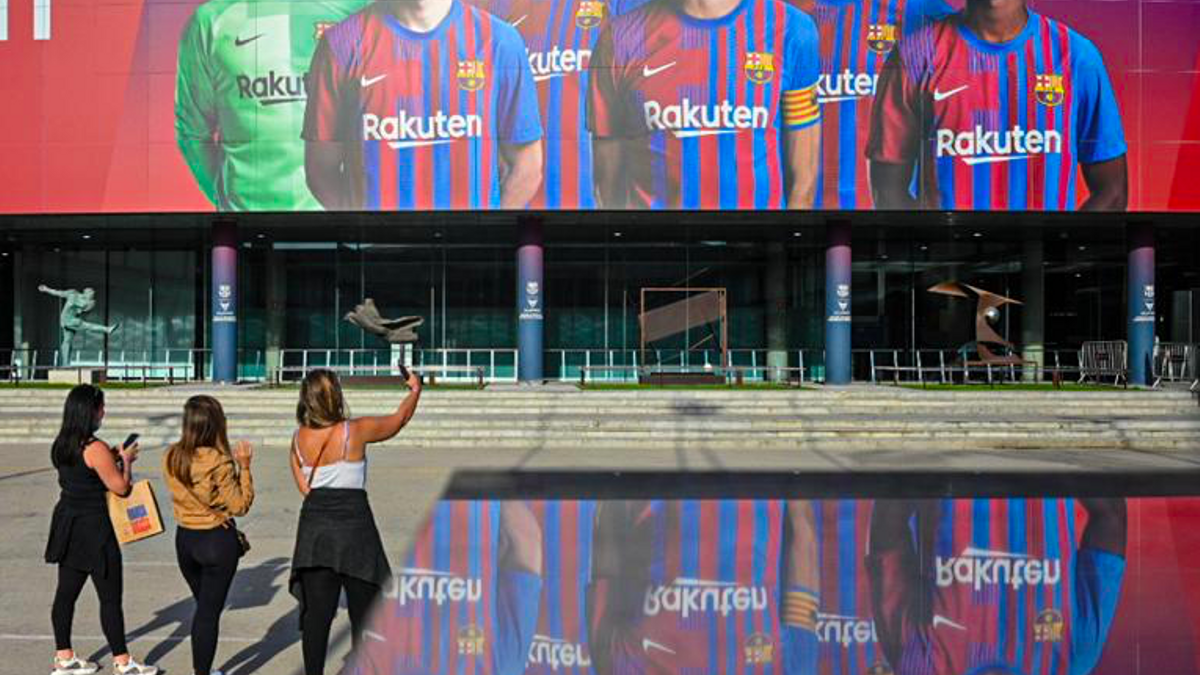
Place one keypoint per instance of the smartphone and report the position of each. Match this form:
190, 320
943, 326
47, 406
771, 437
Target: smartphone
403, 372
131, 440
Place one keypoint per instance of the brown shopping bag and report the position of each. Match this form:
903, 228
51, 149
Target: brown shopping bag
135, 517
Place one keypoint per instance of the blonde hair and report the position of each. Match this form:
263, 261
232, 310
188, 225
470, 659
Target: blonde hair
321, 401
203, 427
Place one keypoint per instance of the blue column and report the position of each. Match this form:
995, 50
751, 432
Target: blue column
837, 303
1140, 302
224, 301
530, 295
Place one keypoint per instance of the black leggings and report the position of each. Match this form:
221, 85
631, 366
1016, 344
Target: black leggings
208, 560
108, 588
322, 587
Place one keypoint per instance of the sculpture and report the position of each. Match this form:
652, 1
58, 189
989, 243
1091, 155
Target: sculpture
393, 331
70, 319
987, 312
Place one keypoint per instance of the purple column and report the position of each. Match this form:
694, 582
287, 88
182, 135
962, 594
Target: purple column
224, 301
837, 303
1140, 302
530, 295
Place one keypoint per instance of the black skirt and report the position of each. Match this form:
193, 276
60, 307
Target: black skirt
83, 539
337, 531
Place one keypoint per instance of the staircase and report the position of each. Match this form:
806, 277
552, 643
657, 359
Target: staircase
561, 417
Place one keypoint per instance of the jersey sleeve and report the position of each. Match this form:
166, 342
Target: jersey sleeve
1099, 131
322, 112
196, 118
1098, 579
605, 118
518, 115
895, 116
802, 60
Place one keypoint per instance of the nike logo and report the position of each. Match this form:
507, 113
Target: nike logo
239, 42
939, 620
368, 81
519, 20
647, 71
547, 76
693, 133
972, 161
943, 95
837, 99
401, 145
971, 551
647, 644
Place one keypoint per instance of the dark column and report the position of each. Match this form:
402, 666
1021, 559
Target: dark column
1140, 302
837, 303
223, 300
1033, 313
776, 309
530, 294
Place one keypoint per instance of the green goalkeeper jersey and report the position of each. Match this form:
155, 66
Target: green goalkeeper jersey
239, 98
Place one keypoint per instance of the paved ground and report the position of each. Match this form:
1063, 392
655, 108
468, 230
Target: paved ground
259, 629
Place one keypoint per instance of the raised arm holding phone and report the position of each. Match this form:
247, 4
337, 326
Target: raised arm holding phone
338, 546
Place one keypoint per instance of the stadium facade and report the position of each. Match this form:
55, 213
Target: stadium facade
516, 173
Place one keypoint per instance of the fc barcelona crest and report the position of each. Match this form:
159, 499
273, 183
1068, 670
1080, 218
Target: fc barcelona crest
320, 27
879, 668
471, 75
1048, 626
758, 650
1049, 90
881, 37
590, 14
760, 67
471, 641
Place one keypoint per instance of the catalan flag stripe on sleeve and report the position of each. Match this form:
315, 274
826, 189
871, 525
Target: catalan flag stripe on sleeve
800, 610
800, 108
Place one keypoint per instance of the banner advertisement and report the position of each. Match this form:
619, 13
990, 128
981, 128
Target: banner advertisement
350, 105
840, 586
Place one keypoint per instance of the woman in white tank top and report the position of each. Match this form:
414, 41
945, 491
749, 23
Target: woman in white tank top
337, 544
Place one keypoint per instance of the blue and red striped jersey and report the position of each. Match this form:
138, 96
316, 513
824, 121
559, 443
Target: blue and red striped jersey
423, 114
848, 640
439, 615
711, 603
1001, 126
1011, 592
700, 106
560, 645
559, 38
856, 38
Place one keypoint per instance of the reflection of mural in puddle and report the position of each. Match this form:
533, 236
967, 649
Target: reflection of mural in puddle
827, 586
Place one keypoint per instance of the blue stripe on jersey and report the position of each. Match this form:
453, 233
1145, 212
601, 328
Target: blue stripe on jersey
442, 180
658, 561
441, 561
553, 580
370, 160
848, 123
1018, 534
762, 526
1054, 166
847, 579
1050, 509
658, 150
689, 189
727, 544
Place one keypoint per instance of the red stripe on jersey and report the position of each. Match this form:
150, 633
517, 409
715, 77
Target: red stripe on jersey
744, 143
484, 94
1037, 163
710, 539
773, 159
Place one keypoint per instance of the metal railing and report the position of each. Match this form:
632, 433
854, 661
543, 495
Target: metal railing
167, 364
450, 365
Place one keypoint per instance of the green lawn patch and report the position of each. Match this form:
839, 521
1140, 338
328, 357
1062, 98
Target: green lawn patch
627, 386
1014, 386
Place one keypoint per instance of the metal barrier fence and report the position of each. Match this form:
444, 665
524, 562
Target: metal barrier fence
926, 365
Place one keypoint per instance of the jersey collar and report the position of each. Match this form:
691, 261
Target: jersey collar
709, 23
435, 32
982, 45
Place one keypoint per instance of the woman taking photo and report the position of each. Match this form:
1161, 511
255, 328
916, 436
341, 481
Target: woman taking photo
210, 485
82, 541
337, 544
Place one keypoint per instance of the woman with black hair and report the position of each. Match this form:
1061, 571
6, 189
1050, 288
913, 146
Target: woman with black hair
82, 542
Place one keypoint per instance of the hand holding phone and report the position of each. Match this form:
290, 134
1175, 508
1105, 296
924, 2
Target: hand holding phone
129, 449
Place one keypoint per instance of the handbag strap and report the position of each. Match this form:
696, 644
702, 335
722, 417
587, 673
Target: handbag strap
316, 463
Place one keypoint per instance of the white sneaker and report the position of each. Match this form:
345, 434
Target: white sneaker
73, 666
134, 668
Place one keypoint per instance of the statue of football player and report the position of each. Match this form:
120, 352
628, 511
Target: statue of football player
70, 319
